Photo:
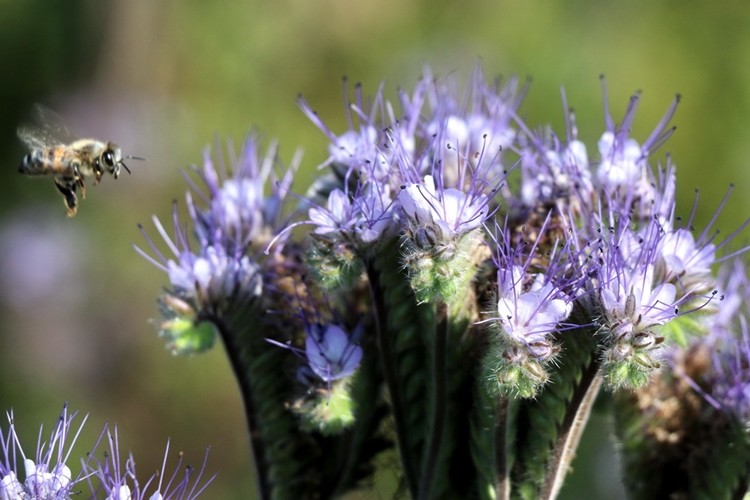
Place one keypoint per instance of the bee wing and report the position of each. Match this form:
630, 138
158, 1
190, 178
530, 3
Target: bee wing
36, 138
52, 122
49, 129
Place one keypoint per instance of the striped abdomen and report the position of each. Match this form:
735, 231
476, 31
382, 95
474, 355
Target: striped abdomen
49, 161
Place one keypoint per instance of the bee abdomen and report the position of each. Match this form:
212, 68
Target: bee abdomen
34, 163
44, 162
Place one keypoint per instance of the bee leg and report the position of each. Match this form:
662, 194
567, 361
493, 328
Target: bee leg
98, 172
68, 191
79, 183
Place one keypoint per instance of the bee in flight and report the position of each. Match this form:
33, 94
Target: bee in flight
54, 151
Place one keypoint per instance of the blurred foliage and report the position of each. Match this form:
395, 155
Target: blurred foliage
165, 79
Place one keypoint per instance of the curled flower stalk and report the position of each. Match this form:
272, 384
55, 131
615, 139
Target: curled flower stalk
221, 277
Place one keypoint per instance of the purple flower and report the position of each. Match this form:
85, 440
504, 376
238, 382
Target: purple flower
731, 372
362, 219
213, 275
46, 474
683, 256
444, 188
120, 482
552, 167
727, 383
357, 149
623, 161
633, 301
208, 276
330, 352
687, 259
337, 219
244, 210
483, 122
439, 215
233, 223
529, 315
632, 298
530, 306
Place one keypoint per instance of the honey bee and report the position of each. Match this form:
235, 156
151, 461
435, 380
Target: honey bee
54, 151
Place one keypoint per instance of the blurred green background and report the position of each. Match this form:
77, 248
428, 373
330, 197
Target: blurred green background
165, 79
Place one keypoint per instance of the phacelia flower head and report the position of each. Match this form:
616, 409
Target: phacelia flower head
441, 236
203, 283
481, 124
120, 482
687, 259
209, 275
359, 218
531, 305
438, 216
243, 206
529, 314
726, 385
552, 167
623, 162
46, 474
634, 301
530, 308
330, 354
347, 228
225, 263
233, 225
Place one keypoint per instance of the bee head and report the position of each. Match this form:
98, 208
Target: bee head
111, 160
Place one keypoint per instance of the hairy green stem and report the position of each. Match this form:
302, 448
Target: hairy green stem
234, 348
356, 448
439, 406
390, 375
503, 442
576, 415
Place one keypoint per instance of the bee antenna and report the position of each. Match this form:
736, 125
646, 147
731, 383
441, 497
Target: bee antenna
131, 158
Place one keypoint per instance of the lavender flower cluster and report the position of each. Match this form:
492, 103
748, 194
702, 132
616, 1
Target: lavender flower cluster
445, 224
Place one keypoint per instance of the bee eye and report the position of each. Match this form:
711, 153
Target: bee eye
109, 158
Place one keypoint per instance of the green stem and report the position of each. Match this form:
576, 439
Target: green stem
357, 447
234, 348
439, 406
547, 427
576, 415
390, 375
503, 440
